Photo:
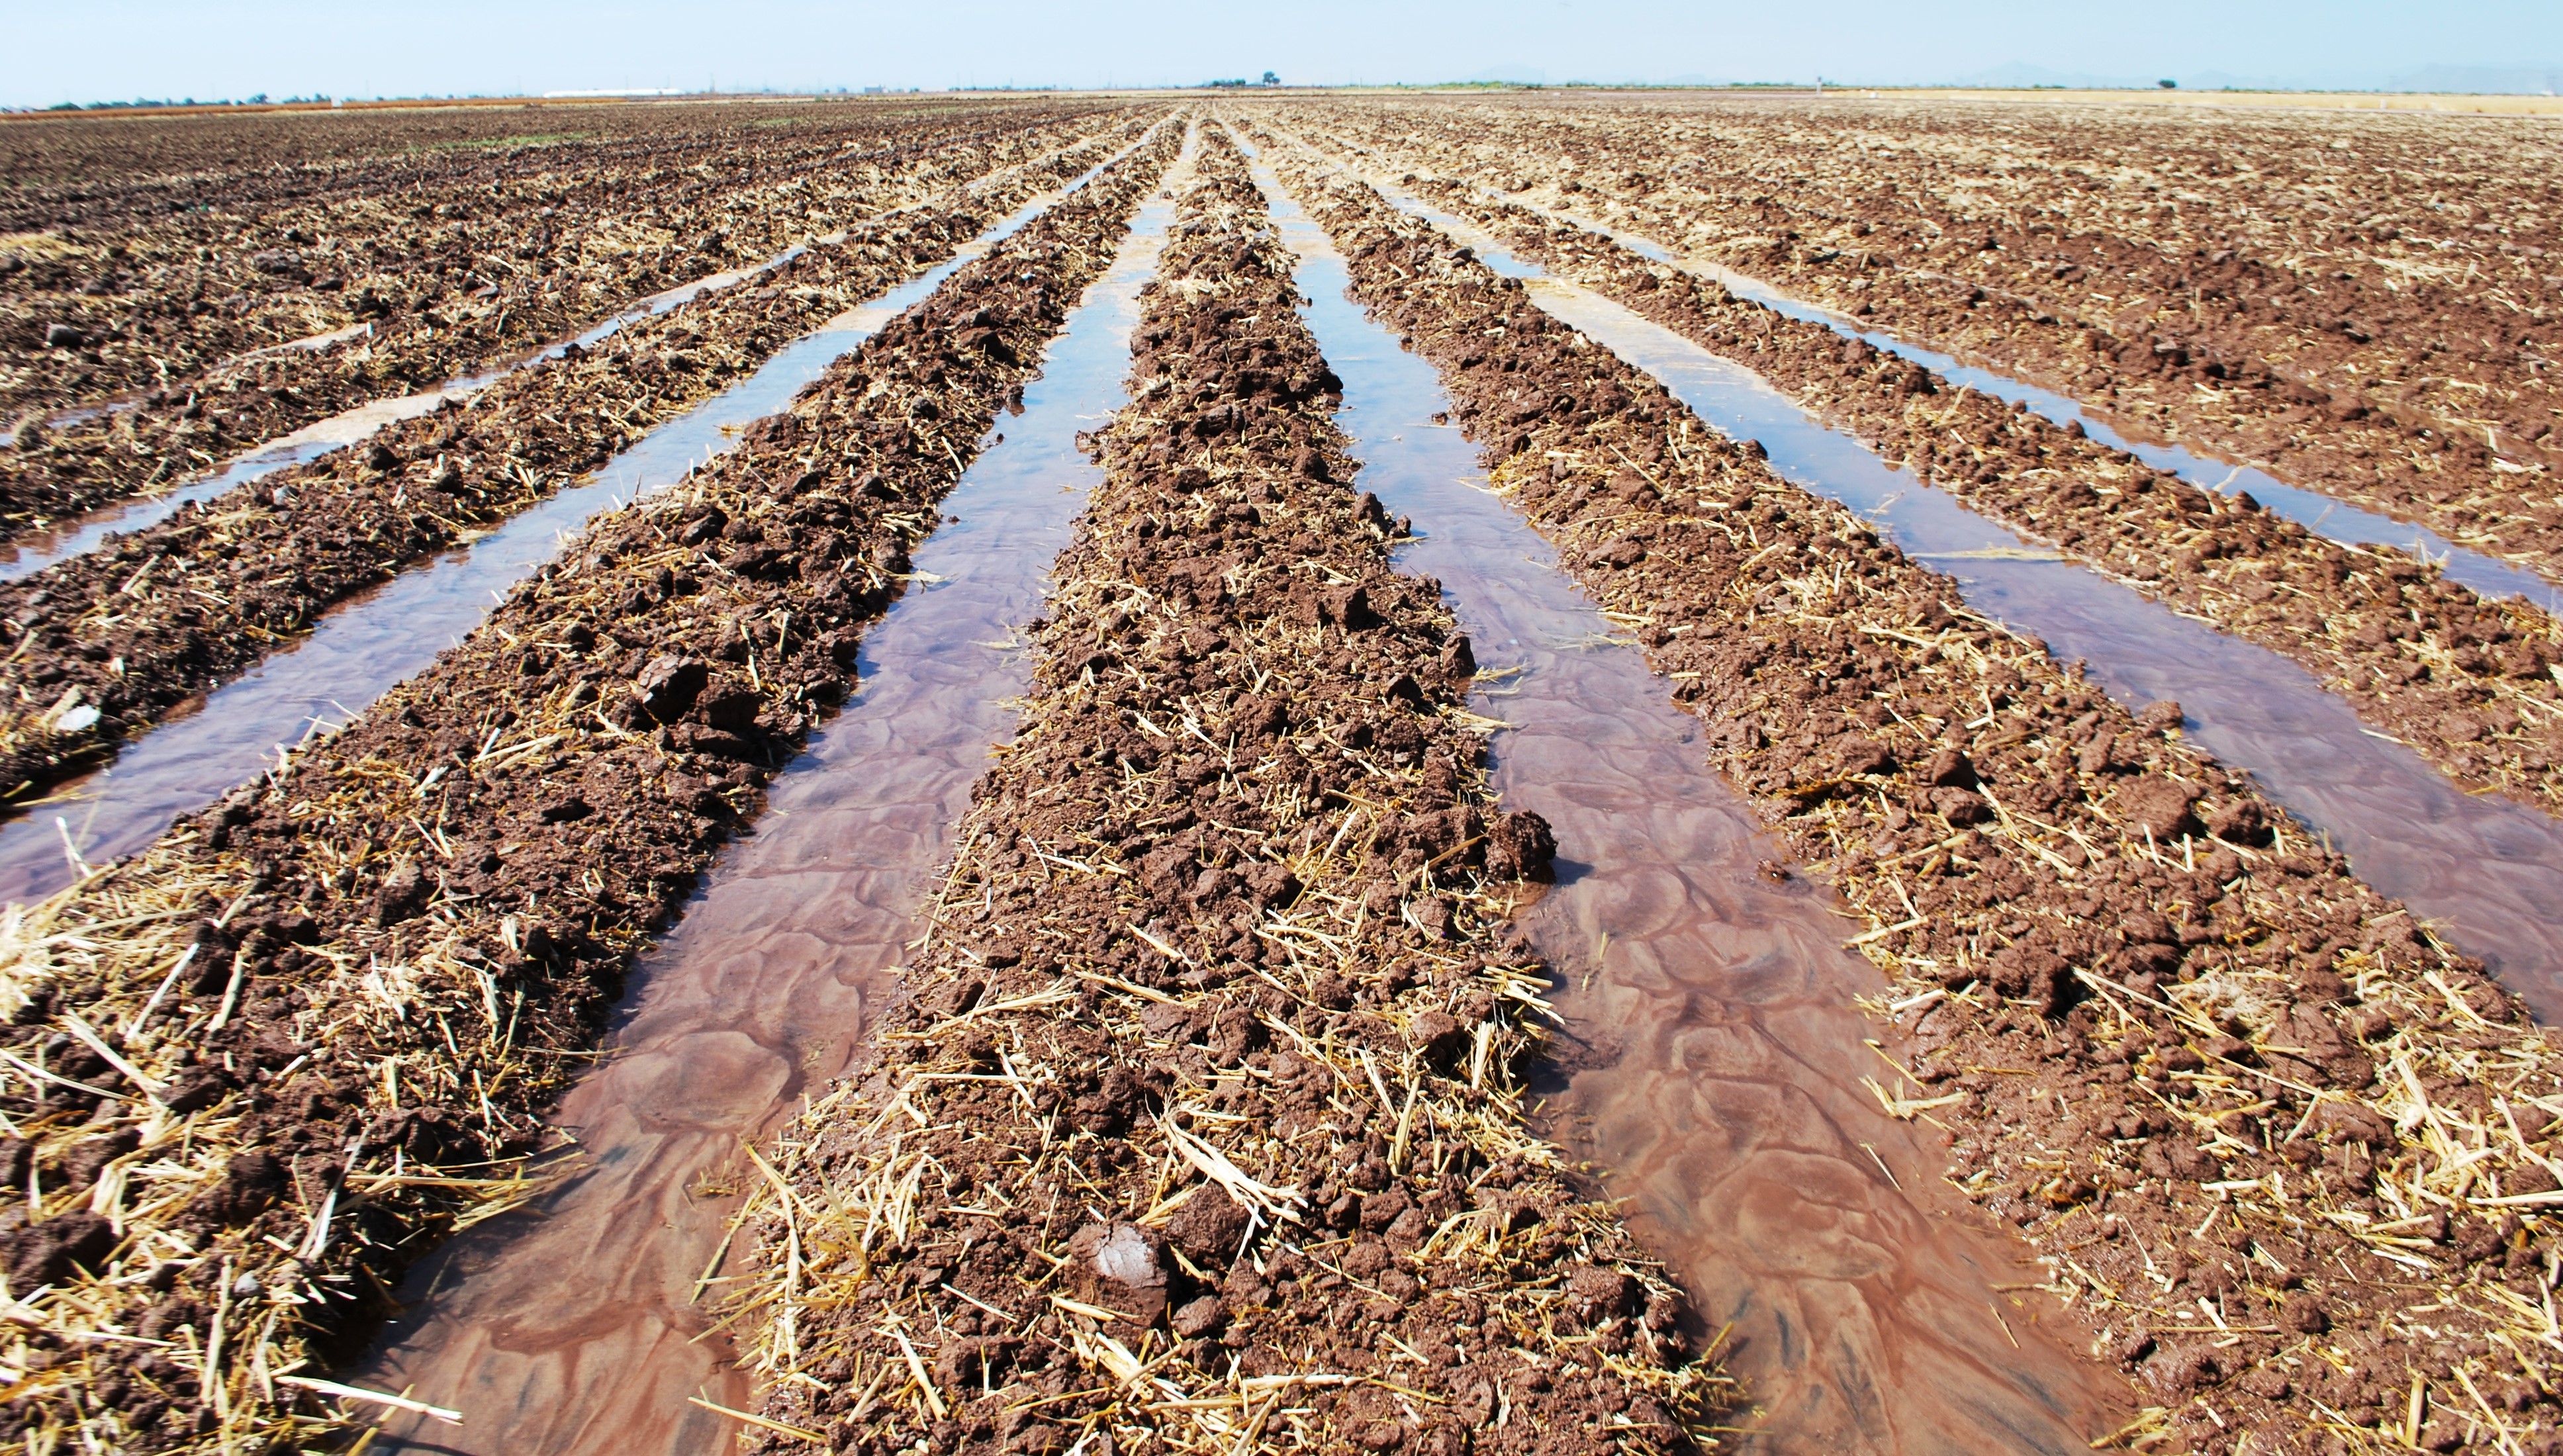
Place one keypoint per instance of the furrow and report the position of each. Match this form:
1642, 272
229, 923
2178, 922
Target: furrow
2468, 682
264, 1065
2255, 1120
109, 642
1202, 1123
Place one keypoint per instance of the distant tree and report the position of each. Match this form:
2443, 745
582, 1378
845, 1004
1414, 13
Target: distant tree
1271, 80
2168, 85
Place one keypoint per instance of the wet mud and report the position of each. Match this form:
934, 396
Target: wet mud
1145, 976
1713, 1057
179, 349
2207, 1072
2300, 305
2485, 871
584, 1322
112, 640
391, 958
2468, 683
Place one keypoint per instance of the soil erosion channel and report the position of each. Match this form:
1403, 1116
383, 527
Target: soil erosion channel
1718, 1077
2488, 868
391, 632
581, 1328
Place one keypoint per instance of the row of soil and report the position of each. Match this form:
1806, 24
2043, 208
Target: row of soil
2468, 682
2357, 327
109, 641
2282, 1145
462, 296
189, 270
261, 1068
1224, 962
96, 169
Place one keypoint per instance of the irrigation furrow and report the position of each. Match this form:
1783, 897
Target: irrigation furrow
582, 1324
1214, 1014
109, 642
268, 1062
1711, 1026
181, 343
2402, 372
115, 450
2251, 1115
2469, 683
2484, 868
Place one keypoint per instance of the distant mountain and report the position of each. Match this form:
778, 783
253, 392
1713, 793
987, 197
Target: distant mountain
2482, 80
2016, 75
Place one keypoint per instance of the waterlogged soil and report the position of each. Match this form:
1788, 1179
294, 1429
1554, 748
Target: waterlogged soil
2468, 682
579, 262
582, 1324
2223, 1088
403, 943
162, 275
1209, 1068
1711, 1057
110, 641
2364, 305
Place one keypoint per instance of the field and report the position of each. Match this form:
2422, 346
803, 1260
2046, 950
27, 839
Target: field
1332, 772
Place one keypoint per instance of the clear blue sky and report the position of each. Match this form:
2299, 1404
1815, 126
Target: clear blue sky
90, 50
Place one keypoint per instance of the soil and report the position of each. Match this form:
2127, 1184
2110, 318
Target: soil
161, 615
2364, 305
2468, 682
405, 939
445, 287
2284, 1146
1223, 959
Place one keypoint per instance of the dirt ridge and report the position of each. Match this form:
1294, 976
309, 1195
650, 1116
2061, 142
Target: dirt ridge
121, 635
2288, 1149
339, 1001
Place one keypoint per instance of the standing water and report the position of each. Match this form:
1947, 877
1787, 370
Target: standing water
1713, 1059
376, 639
2486, 869
2486, 576
586, 1327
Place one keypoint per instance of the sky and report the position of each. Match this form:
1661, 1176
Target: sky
96, 50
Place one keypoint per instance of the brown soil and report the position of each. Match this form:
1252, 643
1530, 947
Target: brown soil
1221, 961
168, 612
2288, 1149
402, 944
448, 287
2364, 305
2469, 683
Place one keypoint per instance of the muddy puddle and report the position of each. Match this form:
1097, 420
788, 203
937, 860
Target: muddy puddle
2322, 514
2486, 868
376, 639
1712, 1058
587, 1326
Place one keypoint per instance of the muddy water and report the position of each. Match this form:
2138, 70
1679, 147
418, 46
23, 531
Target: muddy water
367, 645
578, 1330
2488, 870
2322, 514
1716, 1056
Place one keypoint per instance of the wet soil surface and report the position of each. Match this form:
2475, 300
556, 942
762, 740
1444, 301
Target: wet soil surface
2285, 1146
1201, 1123
2366, 304
110, 641
404, 944
2482, 869
1713, 1056
2467, 681
583, 1325
152, 291
365, 645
